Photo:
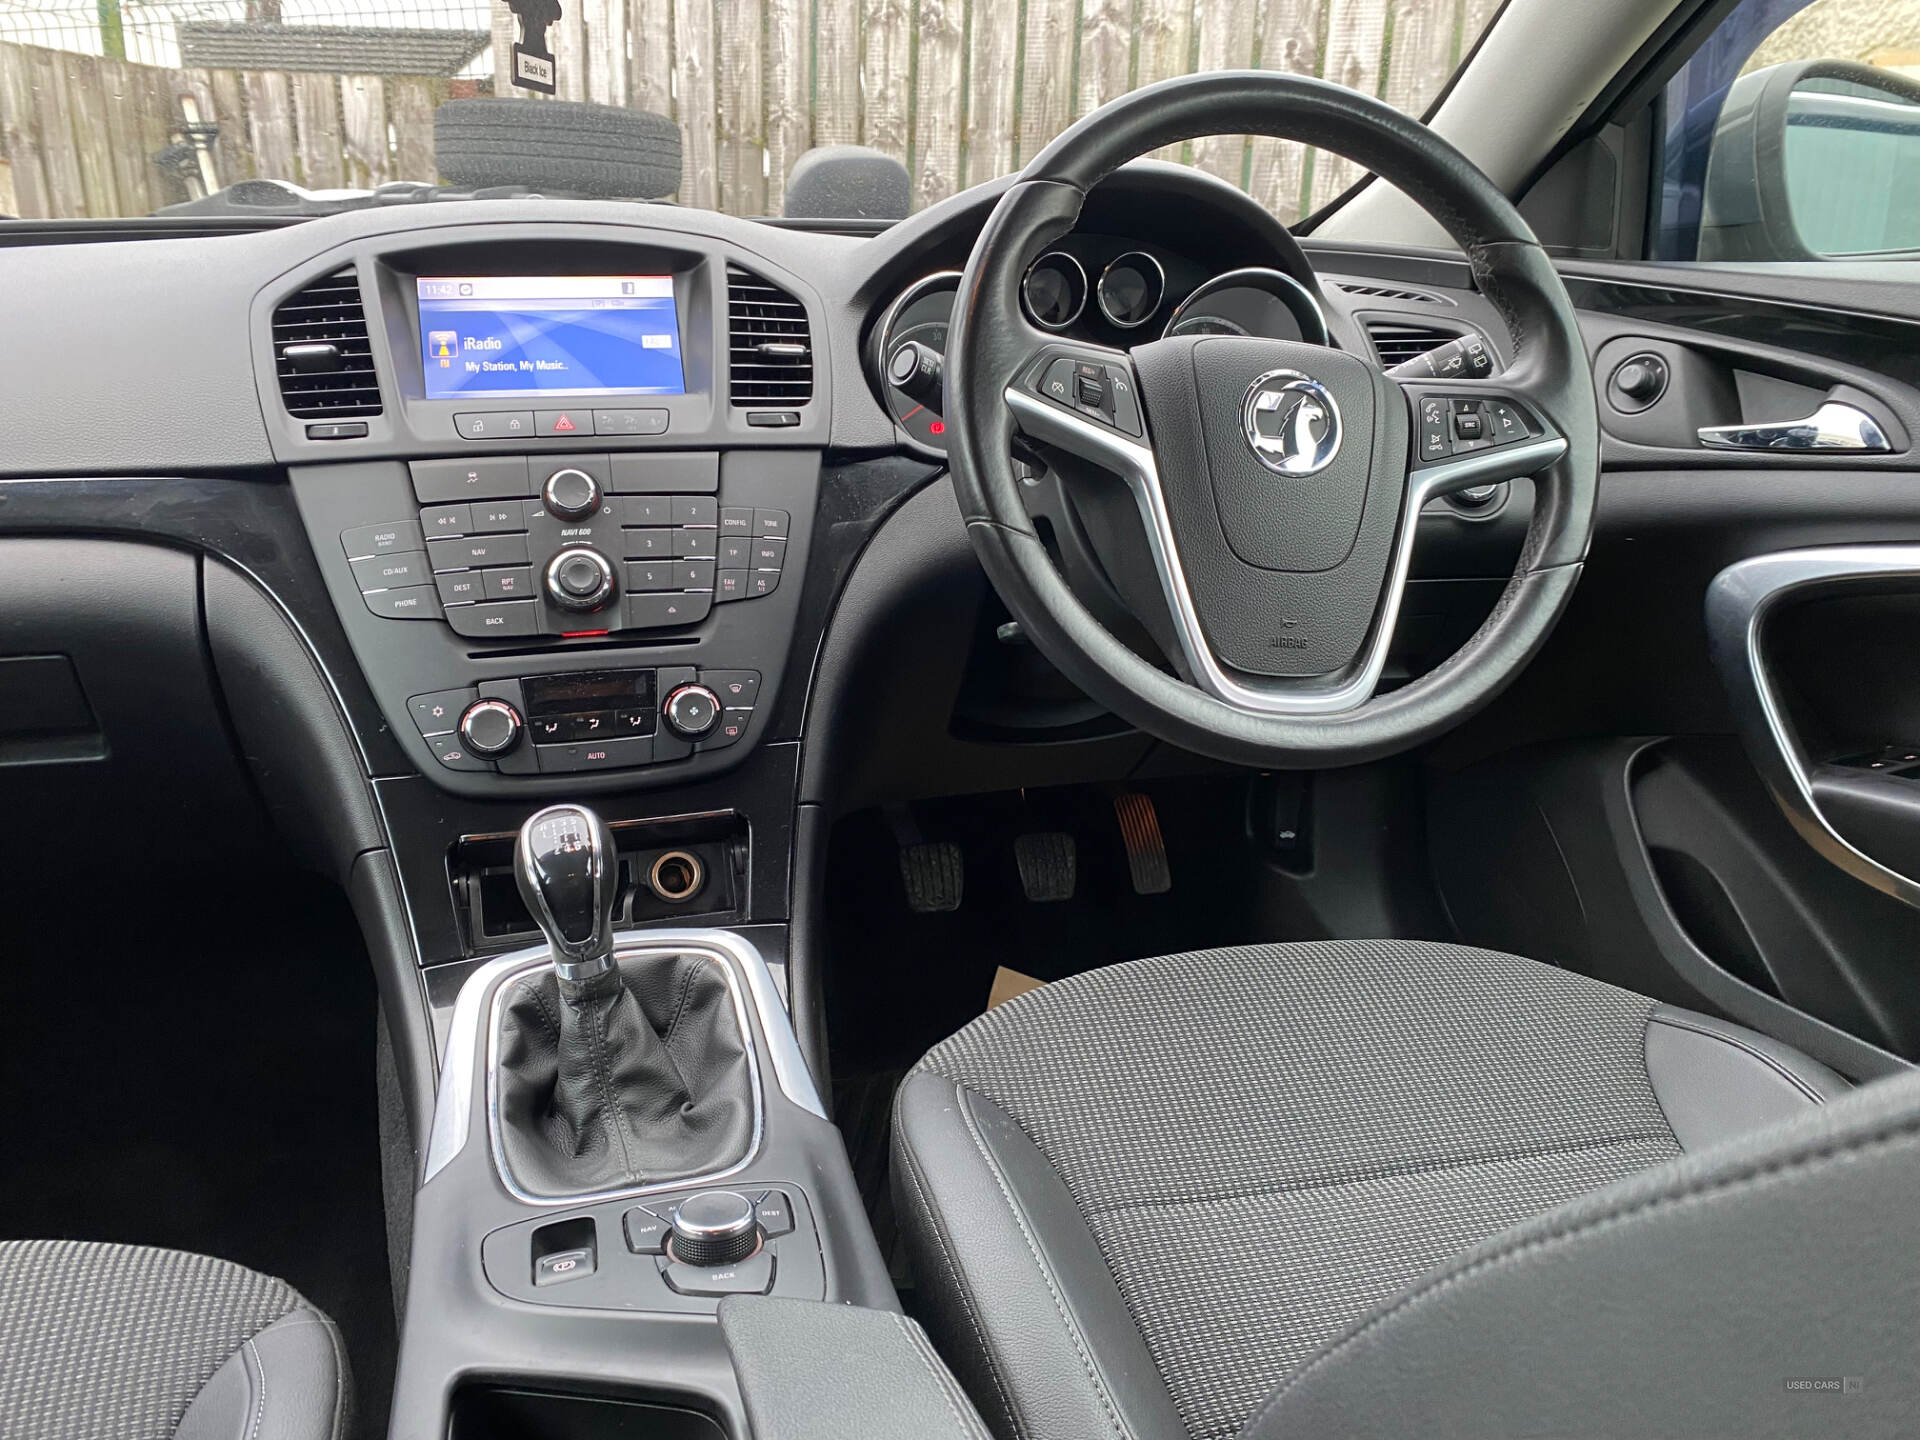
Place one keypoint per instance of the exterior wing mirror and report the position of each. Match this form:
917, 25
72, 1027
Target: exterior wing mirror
1812, 160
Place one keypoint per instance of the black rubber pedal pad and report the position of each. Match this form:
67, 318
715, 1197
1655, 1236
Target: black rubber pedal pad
934, 874
1048, 865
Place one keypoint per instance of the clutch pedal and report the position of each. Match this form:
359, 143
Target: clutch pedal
933, 871
1146, 850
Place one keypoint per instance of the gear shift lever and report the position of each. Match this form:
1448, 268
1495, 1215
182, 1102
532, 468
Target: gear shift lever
569, 875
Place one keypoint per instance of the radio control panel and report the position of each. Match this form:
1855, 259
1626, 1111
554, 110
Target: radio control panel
531, 623
513, 546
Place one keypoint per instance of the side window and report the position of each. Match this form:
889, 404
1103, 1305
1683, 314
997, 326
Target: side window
1794, 134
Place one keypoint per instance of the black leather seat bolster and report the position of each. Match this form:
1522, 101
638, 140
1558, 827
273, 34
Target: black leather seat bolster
1019, 1296
288, 1382
1717, 1081
1682, 1301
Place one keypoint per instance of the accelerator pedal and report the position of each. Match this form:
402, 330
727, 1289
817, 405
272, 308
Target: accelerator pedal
1047, 861
1146, 851
933, 871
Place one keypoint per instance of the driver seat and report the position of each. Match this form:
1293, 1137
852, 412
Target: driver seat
1358, 1188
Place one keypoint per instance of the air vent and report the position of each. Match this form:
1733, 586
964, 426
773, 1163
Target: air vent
1397, 342
321, 352
770, 353
1387, 292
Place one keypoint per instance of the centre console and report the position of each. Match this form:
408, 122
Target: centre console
569, 545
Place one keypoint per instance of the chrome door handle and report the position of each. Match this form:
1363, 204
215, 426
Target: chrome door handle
1836, 425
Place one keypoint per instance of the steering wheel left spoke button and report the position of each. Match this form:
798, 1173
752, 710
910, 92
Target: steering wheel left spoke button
1057, 382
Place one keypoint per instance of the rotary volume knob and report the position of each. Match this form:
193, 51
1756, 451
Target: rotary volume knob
571, 494
579, 578
715, 1227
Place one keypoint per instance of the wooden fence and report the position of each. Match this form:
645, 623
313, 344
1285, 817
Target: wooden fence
960, 90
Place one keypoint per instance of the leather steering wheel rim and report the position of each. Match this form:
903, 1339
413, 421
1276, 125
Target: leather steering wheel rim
992, 346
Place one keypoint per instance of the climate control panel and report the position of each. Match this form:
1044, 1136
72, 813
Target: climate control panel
586, 721
511, 547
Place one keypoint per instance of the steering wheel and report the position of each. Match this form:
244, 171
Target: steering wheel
1279, 484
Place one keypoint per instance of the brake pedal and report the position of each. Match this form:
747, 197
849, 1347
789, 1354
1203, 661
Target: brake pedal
1146, 850
1047, 861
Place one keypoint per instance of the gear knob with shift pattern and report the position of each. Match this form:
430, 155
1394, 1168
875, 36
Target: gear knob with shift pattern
569, 875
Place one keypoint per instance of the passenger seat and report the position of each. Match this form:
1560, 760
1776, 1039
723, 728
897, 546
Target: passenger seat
143, 1344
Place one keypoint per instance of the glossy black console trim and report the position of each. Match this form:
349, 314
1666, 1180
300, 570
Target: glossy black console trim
249, 520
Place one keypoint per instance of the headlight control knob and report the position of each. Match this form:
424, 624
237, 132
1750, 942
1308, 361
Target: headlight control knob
571, 494
579, 578
715, 1227
691, 711
490, 727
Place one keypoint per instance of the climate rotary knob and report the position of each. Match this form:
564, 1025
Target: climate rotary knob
579, 578
571, 494
715, 1227
490, 727
691, 711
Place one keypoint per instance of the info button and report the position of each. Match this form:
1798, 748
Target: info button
494, 425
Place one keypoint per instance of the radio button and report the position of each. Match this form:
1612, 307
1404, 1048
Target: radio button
365, 540
647, 544
736, 520
494, 425
769, 554
495, 619
735, 553
498, 477
762, 582
730, 585
694, 574
469, 554
771, 524
410, 602
645, 575
695, 544
698, 510
447, 520
657, 612
646, 510
498, 517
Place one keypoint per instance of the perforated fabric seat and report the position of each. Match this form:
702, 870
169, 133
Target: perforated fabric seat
1138, 1199
124, 1342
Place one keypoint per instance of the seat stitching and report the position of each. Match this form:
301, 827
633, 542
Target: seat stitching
1771, 1062
261, 1408
934, 1370
1361, 1177
1046, 1273
959, 1284
1703, 1189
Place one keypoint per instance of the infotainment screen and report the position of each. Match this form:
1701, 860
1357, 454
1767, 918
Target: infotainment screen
497, 335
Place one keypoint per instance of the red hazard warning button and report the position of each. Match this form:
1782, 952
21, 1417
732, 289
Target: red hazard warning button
563, 422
